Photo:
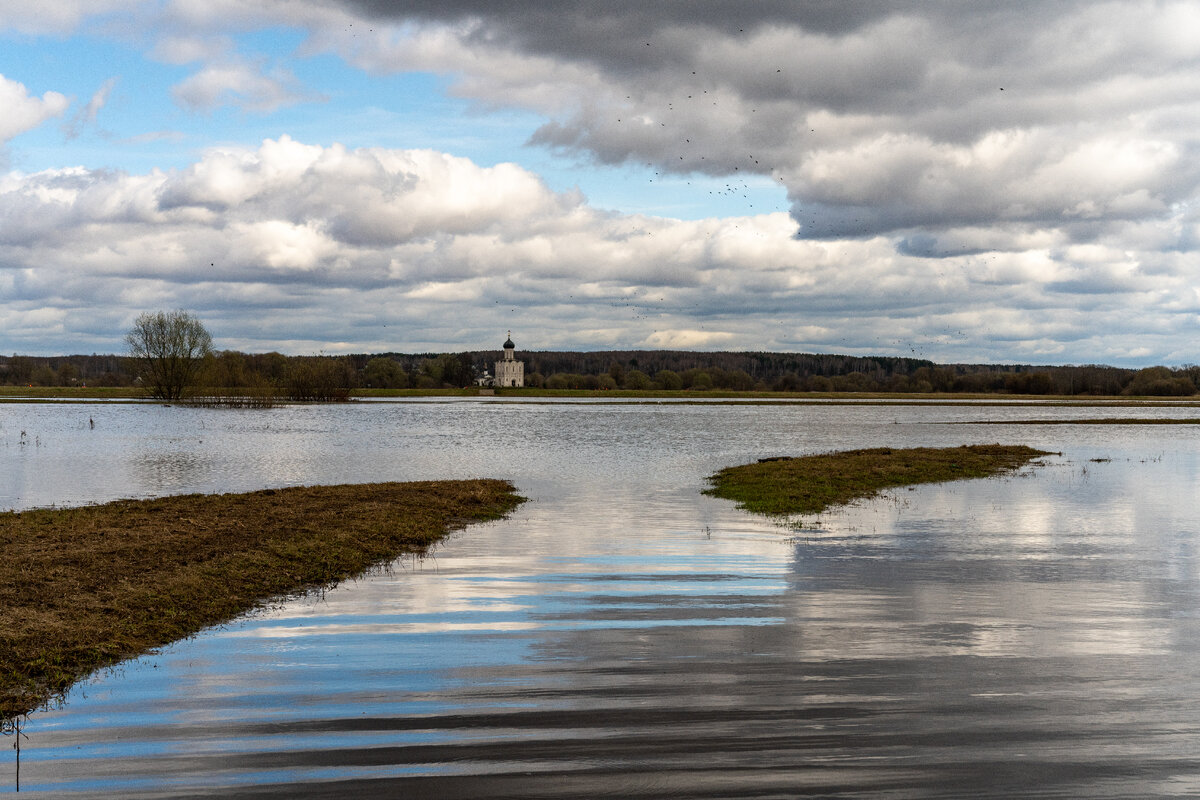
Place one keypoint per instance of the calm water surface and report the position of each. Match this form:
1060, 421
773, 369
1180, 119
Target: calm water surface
621, 635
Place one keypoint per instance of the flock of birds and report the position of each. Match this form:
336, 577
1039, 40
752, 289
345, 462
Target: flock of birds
733, 187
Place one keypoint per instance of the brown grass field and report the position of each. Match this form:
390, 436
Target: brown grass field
84, 588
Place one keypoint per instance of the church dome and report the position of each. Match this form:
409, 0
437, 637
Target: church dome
508, 343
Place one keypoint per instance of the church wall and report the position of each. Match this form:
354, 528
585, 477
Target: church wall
510, 373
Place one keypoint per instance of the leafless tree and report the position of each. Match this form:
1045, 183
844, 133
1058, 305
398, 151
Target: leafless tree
168, 346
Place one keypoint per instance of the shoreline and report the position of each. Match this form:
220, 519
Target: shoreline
84, 588
123, 395
811, 484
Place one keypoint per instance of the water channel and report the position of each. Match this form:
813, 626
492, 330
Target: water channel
622, 635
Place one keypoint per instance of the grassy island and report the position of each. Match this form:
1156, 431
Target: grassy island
810, 484
84, 588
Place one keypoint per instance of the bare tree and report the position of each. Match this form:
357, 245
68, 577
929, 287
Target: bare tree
168, 346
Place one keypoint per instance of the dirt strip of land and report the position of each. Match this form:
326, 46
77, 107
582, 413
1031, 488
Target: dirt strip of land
84, 588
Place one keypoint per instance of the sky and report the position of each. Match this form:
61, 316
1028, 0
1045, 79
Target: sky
978, 182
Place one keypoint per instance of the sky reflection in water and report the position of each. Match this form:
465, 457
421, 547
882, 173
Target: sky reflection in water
623, 635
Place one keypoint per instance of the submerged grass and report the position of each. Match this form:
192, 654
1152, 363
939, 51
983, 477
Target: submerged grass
810, 484
84, 588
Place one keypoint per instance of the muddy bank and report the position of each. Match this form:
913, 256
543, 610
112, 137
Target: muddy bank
84, 588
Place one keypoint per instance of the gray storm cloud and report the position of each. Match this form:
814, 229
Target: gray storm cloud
878, 118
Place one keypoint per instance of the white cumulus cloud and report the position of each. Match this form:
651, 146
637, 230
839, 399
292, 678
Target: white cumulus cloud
304, 247
59, 16
23, 111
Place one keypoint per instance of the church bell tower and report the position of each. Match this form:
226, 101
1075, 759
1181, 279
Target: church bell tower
509, 371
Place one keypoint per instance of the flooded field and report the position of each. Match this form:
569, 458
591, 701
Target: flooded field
622, 635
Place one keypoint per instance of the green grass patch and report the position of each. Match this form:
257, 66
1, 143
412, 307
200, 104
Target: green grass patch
25, 394
810, 484
1095, 421
84, 588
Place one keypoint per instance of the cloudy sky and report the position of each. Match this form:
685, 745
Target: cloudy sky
983, 182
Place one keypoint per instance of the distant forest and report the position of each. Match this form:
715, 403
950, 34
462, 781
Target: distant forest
620, 369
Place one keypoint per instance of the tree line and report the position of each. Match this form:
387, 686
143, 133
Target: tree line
171, 355
325, 377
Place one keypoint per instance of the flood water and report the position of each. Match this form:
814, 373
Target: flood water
622, 635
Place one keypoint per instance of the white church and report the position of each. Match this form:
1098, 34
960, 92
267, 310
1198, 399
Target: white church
509, 371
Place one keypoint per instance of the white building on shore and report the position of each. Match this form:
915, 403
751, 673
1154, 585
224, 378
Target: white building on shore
509, 371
